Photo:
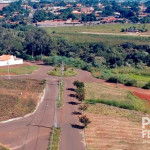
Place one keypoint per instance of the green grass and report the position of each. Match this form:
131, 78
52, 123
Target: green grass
59, 102
74, 35
3, 148
56, 139
103, 28
67, 73
98, 93
124, 74
20, 70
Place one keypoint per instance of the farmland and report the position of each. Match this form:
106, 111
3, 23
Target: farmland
18, 69
75, 35
112, 127
19, 97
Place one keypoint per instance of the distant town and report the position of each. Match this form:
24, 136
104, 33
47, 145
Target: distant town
80, 13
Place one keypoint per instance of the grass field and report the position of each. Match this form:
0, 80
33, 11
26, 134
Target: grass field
67, 73
142, 76
19, 97
74, 34
18, 69
112, 127
122, 98
56, 139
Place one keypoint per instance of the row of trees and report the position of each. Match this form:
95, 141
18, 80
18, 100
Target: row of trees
30, 42
80, 95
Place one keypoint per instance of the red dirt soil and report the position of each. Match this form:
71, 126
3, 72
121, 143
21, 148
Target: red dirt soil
3, 5
141, 95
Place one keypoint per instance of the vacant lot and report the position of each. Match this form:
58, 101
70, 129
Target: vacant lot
19, 97
18, 69
113, 127
74, 34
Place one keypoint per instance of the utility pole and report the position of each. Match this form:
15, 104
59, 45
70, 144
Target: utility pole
8, 70
62, 72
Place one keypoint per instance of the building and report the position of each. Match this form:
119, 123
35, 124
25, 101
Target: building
10, 60
7, 1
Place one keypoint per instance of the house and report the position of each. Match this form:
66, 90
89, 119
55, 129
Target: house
76, 12
10, 60
108, 20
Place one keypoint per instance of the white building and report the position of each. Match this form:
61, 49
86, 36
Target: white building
7, 1
10, 60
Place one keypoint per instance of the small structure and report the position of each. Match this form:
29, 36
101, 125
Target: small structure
10, 60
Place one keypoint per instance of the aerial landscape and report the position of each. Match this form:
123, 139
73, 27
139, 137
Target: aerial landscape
74, 75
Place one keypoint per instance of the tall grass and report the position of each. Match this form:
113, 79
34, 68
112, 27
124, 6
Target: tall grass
133, 103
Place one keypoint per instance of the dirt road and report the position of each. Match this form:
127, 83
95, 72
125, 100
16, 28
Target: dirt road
118, 34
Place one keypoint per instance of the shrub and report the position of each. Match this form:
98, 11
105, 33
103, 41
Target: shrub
84, 120
130, 82
146, 86
80, 93
113, 79
83, 107
78, 84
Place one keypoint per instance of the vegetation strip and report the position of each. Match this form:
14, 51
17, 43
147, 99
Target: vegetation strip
67, 72
55, 138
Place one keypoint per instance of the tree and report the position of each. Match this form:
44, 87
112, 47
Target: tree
39, 15
78, 84
84, 120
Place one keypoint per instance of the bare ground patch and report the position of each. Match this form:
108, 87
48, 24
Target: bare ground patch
19, 97
113, 128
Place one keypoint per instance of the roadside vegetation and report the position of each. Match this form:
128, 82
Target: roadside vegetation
19, 97
60, 101
130, 76
66, 73
56, 139
18, 69
80, 95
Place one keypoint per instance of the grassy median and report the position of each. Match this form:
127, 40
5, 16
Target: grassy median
67, 72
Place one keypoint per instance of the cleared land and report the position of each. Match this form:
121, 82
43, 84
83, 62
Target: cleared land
18, 69
67, 72
75, 35
113, 127
19, 97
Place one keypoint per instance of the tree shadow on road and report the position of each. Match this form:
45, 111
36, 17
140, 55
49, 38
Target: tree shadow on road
71, 89
77, 126
73, 103
76, 113
72, 95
